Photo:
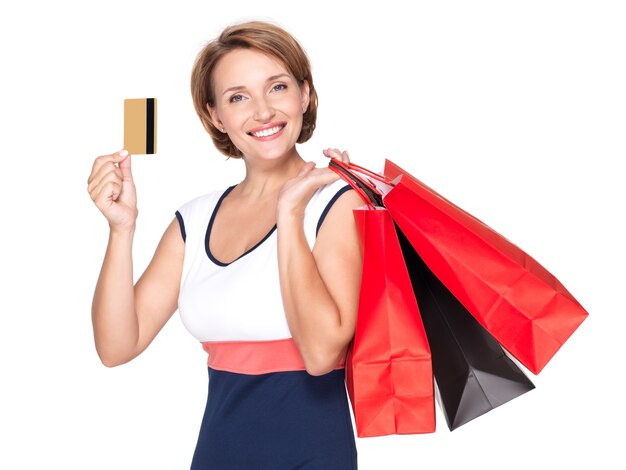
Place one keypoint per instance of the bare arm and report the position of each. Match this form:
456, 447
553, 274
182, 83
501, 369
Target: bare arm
321, 288
126, 318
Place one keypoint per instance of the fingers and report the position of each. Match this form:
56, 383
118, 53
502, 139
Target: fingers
337, 154
105, 180
320, 176
107, 160
105, 174
124, 165
108, 184
108, 191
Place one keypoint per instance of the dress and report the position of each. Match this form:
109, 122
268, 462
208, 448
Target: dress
264, 411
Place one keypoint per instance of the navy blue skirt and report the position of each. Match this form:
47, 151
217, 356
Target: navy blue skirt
276, 421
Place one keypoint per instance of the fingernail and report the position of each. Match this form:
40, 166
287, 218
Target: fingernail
123, 153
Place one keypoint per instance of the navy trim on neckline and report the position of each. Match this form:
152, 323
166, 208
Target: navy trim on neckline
207, 237
329, 205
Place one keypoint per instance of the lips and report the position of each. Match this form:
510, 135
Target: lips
267, 132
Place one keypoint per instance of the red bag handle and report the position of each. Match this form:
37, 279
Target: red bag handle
354, 166
357, 184
366, 189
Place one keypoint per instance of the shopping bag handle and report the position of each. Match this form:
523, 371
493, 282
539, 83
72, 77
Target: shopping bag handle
369, 194
357, 177
360, 169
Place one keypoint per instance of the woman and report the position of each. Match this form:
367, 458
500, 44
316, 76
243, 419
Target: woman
265, 273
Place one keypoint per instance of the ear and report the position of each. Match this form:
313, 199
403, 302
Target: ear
305, 95
215, 120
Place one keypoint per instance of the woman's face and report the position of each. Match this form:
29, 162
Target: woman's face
258, 103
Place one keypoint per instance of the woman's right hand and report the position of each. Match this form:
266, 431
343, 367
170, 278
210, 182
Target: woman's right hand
112, 189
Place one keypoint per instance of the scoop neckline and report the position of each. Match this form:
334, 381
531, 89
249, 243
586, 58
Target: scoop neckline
207, 237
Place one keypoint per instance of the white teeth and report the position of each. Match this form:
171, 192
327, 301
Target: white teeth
267, 132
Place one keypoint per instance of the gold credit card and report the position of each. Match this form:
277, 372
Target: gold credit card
140, 125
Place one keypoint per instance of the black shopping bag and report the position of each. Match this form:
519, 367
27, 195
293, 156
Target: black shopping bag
472, 372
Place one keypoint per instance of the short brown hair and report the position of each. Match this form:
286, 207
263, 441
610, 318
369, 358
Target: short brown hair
266, 38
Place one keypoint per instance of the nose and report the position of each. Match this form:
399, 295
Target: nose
263, 110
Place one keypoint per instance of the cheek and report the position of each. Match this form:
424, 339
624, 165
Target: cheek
231, 116
295, 109
298, 103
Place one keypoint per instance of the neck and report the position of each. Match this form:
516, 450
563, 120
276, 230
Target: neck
264, 178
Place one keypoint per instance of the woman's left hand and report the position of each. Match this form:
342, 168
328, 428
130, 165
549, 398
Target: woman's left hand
297, 192
337, 154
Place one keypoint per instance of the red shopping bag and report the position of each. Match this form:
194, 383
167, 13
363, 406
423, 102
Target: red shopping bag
517, 300
388, 368
472, 372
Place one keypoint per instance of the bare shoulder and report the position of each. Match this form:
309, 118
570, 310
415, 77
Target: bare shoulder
164, 271
339, 216
337, 246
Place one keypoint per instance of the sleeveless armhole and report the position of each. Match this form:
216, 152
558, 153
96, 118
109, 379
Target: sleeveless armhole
181, 223
329, 205
193, 218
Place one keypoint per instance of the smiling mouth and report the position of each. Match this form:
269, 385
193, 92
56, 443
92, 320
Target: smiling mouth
267, 132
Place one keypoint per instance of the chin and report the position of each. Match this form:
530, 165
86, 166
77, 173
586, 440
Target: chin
271, 154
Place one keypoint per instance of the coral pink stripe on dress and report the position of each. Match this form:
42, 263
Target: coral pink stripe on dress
256, 357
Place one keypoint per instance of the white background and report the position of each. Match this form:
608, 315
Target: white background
513, 110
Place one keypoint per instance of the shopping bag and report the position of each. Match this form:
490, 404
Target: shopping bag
388, 367
473, 373
516, 299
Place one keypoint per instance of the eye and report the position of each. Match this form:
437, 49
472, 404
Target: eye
235, 99
279, 87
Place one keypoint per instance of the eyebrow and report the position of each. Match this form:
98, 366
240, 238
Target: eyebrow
270, 79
